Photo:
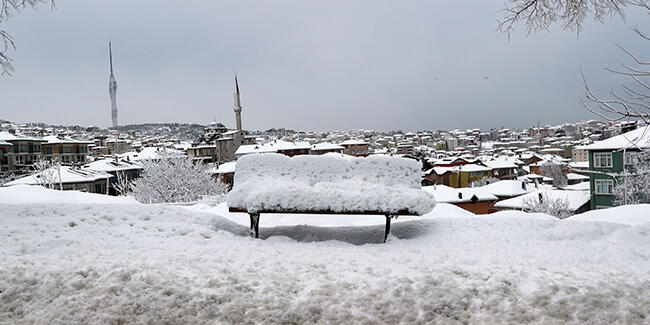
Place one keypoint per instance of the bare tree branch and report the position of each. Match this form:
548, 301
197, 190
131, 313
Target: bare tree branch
7, 9
539, 15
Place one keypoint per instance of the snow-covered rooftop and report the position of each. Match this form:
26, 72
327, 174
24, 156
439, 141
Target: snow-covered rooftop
111, 165
576, 177
509, 188
225, 168
501, 162
68, 175
353, 142
151, 153
326, 146
446, 194
52, 139
639, 138
576, 199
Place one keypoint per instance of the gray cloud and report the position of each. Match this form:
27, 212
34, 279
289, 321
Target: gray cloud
325, 65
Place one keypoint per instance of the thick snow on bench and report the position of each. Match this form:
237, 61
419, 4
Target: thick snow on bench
330, 182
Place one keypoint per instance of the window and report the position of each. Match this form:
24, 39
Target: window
48, 150
67, 149
604, 186
603, 159
630, 158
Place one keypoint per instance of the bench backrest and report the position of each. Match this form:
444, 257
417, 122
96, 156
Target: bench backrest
384, 170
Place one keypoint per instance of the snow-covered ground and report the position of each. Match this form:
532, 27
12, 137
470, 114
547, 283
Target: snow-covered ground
119, 262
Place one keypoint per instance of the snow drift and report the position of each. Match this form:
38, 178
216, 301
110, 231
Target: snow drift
132, 263
330, 182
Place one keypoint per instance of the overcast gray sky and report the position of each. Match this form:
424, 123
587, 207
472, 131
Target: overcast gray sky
326, 65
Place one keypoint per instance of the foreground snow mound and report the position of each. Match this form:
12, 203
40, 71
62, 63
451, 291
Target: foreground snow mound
160, 264
330, 182
163, 264
634, 215
34, 194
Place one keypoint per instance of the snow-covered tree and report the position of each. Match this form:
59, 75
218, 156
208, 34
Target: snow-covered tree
543, 203
7, 9
122, 184
47, 173
554, 171
175, 179
6, 177
633, 184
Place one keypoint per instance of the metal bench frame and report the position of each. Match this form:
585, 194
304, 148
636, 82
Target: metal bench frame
255, 217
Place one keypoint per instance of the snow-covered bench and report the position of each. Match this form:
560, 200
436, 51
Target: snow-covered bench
328, 184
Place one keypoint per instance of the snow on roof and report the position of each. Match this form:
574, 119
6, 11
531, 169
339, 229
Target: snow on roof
326, 146
353, 142
473, 168
633, 215
151, 153
582, 186
331, 182
253, 148
110, 165
576, 177
446, 194
534, 176
639, 138
576, 199
225, 168
13, 137
287, 145
68, 175
182, 146
52, 139
499, 163
579, 164
508, 188
5, 143
27, 194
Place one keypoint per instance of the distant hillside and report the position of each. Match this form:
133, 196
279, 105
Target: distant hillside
183, 131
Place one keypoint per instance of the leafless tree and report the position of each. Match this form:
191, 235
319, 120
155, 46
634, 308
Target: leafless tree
6, 177
539, 15
122, 183
7, 9
633, 99
554, 171
47, 173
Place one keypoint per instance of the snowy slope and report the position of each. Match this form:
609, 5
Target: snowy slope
82, 263
629, 214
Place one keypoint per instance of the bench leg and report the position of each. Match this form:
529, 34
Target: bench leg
387, 230
255, 224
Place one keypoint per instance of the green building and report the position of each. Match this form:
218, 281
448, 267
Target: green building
610, 156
